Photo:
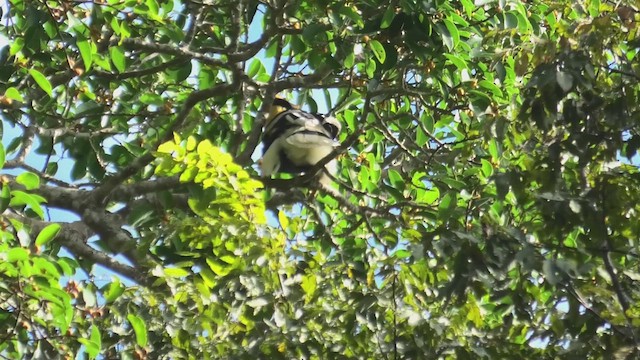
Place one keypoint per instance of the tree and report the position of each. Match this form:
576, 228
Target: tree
485, 206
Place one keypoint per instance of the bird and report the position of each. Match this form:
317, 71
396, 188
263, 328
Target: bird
294, 141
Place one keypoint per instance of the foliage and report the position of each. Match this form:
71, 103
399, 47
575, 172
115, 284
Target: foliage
484, 208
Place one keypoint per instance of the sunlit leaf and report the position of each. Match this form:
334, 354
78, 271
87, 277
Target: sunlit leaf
14, 94
176, 272
33, 201
29, 180
139, 328
47, 234
17, 254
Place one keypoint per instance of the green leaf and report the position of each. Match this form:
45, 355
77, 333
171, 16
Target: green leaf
487, 168
429, 196
101, 61
42, 81
5, 197
468, 6
153, 7
309, 285
256, 68
47, 234
510, 20
313, 32
283, 219
67, 265
457, 61
92, 347
33, 201
117, 58
396, 179
3, 156
493, 88
17, 254
473, 314
453, 183
29, 180
85, 52
217, 268
445, 35
453, 31
421, 137
202, 287
378, 50
14, 94
401, 254
446, 206
113, 290
594, 8
370, 68
349, 60
95, 338
175, 272
388, 16
139, 328
180, 72
493, 150
350, 119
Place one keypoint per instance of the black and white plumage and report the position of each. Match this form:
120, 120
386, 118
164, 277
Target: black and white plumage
294, 140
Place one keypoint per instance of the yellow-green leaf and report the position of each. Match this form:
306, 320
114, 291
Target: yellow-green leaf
175, 272
29, 180
14, 94
191, 143
309, 285
47, 234
17, 254
283, 219
139, 328
487, 168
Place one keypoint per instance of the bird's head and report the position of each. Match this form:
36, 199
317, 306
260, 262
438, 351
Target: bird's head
279, 105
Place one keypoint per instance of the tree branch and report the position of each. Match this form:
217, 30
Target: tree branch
73, 236
194, 98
